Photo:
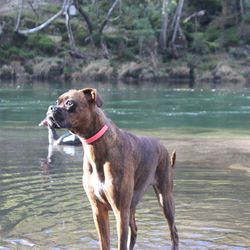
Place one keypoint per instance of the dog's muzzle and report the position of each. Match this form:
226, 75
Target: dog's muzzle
55, 117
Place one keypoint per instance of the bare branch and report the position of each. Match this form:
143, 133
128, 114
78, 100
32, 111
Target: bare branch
45, 24
120, 12
195, 15
33, 8
108, 16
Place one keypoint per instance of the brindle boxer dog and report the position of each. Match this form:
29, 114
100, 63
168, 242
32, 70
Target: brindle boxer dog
118, 166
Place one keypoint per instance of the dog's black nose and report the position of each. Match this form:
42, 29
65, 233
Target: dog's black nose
52, 108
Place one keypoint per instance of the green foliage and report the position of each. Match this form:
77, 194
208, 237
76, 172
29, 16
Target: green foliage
41, 43
115, 42
207, 63
45, 44
154, 15
214, 46
4, 56
238, 53
51, 8
18, 40
29, 68
67, 71
199, 43
230, 37
144, 29
80, 35
170, 7
141, 26
212, 40
9, 53
244, 32
20, 54
246, 17
65, 37
136, 28
213, 34
96, 38
211, 6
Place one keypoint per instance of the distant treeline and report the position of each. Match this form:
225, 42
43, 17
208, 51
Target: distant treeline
121, 30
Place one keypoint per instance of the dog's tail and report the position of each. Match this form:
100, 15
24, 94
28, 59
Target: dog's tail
173, 159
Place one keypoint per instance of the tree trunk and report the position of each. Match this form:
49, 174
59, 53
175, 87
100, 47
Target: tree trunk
177, 22
224, 14
20, 10
68, 26
85, 16
242, 8
164, 26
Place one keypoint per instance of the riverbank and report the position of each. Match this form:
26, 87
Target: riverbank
216, 69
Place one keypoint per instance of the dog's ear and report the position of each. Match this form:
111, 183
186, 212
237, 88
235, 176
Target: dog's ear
92, 96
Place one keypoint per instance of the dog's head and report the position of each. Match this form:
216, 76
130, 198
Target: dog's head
74, 109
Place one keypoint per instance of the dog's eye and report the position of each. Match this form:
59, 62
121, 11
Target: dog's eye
70, 105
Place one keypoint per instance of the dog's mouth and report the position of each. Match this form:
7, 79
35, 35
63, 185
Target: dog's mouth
52, 122
57, 117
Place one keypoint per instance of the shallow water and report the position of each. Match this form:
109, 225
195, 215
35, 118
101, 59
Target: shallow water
43, 205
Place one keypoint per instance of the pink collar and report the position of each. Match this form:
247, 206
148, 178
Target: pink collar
95, 137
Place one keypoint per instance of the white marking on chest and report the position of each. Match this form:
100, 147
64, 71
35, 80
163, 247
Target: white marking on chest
98, 187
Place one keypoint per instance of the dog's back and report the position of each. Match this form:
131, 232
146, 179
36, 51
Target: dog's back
151, 162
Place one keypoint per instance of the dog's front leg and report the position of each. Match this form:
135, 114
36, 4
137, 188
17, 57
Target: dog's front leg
122, 213
122, 223
101, 219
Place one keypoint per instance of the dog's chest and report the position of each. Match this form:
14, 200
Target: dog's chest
99, 185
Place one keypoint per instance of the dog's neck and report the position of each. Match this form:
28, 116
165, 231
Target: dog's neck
96, 153
96, 136
99, 123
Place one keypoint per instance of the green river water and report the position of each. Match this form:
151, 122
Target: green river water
43, 205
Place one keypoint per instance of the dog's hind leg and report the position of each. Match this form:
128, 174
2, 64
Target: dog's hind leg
164, 192
167, 204
133, 229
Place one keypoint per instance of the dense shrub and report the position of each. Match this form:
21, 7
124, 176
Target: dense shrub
230, 37
41, 43
20, 54
199, 43
45, 44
